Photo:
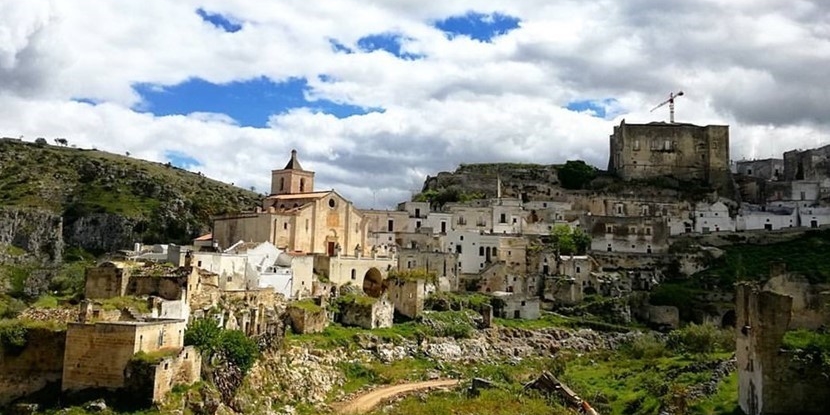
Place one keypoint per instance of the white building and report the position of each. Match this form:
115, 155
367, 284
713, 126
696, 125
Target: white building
713, 218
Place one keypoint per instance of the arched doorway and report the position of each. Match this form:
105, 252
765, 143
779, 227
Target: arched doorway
728, 320
373, 284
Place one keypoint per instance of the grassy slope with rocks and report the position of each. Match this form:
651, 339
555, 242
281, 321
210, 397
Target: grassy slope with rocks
161, 203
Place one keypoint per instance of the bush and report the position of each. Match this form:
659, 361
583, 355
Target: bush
12, 335
238, 349
647, 346
204, 335
702, 339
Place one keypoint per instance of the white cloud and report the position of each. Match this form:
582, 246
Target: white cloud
756, 65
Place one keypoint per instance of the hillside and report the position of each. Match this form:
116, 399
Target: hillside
107, 201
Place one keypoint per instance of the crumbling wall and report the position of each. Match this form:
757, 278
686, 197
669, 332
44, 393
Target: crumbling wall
770, 381
30, 369
304, 320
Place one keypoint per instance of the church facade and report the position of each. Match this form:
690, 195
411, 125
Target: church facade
295, 218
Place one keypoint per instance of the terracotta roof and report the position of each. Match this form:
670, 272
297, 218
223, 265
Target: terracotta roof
205, 237
311, 195
293, 164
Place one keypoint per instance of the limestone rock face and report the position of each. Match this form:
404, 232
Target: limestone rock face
534, 181
36, 231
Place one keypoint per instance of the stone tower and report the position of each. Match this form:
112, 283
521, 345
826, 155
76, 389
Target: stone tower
292, 179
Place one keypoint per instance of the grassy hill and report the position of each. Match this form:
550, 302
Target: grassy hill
89, 188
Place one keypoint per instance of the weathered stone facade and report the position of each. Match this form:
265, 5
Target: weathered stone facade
307, 319
767, 169
367, 312
770, 380
151, 381
683, 151
34, 367
96, 354
637, 234
408, 296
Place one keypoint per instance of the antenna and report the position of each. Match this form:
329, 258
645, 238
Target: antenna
669, 101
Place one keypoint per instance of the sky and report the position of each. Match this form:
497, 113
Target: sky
376, 96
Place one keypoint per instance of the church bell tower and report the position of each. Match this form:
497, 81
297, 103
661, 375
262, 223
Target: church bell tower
292, 179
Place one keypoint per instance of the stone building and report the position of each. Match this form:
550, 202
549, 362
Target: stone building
683, 151
713, 217
767, 169
443, 264
813, 164
96, 356
644, 235
297, 218
408, 295
515, 306
367, 312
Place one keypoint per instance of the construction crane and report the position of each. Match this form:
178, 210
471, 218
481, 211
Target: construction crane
669, 101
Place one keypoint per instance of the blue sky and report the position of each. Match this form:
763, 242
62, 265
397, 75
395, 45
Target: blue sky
251, 102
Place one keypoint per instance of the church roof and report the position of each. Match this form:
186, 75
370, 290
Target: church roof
293, 164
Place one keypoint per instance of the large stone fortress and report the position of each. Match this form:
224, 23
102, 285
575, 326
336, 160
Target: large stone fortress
683, 151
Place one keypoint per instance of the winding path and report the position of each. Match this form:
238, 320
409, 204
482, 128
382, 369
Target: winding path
364, 403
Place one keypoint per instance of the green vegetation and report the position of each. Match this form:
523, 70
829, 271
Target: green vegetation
170, 204
307, 305
14, 332
570, 241
806, 255
445, 300
414, 274
452, 194
232, 346
154, 357
120, 303
576, 174
488, 402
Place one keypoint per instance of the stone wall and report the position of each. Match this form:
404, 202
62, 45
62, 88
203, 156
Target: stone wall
106, 281
664, 316
685, 151
96, 354
39, 363
771, 382
368, 313
407, 296
149, 382
305, 320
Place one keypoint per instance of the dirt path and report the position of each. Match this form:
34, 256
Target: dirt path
365, 403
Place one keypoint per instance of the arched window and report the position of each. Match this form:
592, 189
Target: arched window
354, 274
282, 183
302, 185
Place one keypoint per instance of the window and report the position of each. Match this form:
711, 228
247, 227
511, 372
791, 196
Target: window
803, 196
354, 274
609, 228
285, 225
636, 145
609, 247
302, 185
619, 209
577, 270
230, 278
514, 221
481, 251
458, 249
667, 145
443, 227
199, 264
417, 213
632, 229
332, 203
282, 183
645, 210
390, 225
494, 251
418, 225
648, 231
749, 172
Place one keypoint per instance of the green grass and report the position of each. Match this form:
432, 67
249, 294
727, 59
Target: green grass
307, 305
155, 356
46, 301
723, 402
119, 303
618, 385
489, 402
805, 255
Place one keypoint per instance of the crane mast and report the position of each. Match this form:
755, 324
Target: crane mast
669, 101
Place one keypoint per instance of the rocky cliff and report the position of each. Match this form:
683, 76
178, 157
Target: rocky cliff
531, 181
102, 202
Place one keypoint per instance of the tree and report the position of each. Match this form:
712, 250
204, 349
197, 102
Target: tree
575, 174
570, 241
203, 333
238, 349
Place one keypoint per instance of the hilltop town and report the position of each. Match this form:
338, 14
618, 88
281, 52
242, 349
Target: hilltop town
525, 243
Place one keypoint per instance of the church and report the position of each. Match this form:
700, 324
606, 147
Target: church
297, 219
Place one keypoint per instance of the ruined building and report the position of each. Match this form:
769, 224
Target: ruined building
683, 151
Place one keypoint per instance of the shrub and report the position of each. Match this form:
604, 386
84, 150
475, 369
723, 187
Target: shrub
647, 346
702, 339
204, 334
12, 335
238, 349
